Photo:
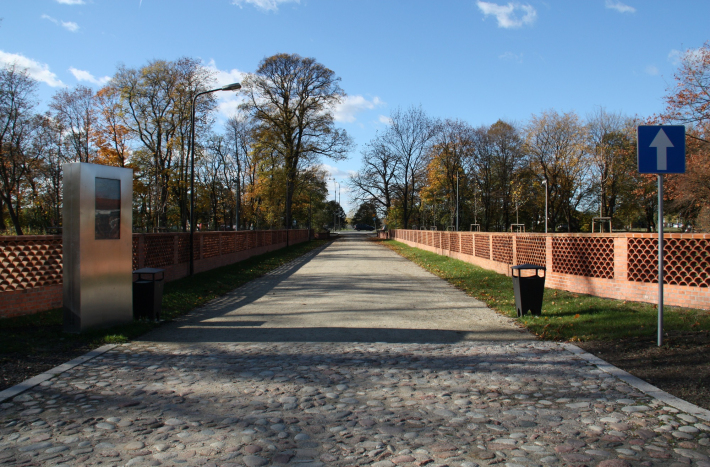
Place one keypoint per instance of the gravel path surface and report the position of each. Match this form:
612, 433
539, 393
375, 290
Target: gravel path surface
354, 377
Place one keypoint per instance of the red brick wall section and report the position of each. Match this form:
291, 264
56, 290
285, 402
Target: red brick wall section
621, 266
31, 266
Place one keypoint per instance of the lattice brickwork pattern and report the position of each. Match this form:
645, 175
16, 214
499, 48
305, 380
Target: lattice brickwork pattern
454, 240
437, 239
159, 250
445, 240
210, 242
483, 246
583, 256
467, 244
531, 250
184, 248
686, 261
503, 249
30, 262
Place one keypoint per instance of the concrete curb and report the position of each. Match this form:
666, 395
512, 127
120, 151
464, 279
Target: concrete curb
640, 384
18, 389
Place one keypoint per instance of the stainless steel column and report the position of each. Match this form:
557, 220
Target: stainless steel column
97, 246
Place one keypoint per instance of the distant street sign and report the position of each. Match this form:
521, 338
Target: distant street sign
661, 149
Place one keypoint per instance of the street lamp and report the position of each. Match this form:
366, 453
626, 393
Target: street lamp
544, 182
229, 87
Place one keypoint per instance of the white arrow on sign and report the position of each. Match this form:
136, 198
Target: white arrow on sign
661, 143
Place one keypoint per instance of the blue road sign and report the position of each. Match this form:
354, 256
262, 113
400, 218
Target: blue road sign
661, 149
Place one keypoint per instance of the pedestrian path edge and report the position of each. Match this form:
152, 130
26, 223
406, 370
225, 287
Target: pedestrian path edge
640, 384
18, 389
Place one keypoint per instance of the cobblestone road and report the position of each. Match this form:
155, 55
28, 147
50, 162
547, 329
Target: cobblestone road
466, 403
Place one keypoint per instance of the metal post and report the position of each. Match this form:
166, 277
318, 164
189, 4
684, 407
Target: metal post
545, 182
457, 201
660, 260
229, 87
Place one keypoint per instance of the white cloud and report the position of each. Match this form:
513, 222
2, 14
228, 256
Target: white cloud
264, 5
505, 14
227, 102
385, 120
68, 25
225, 77
691, 55
339, 174
620, 7
36, 70
352, 105
70, 2
512, 57
675, 56
82, 75
651, 70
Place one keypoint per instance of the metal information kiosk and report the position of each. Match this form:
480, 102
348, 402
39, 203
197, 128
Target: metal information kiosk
98, 246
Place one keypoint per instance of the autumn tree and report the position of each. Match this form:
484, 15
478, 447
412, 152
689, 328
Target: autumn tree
689, 102
75, 109
451, 146
111, 136
156, 102
292, 99
366, 214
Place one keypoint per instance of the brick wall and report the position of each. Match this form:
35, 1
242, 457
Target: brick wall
31, 266
620, 266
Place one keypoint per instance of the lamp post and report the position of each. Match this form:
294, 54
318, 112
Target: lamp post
229, 87
544, 182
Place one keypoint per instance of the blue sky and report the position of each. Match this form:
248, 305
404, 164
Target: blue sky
478, 61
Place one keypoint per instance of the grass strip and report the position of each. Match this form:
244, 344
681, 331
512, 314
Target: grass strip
42, 334
566, 316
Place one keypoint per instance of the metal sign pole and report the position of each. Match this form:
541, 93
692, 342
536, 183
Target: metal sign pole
660, 260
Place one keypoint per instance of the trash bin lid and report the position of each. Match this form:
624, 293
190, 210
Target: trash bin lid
148, 271
528, 266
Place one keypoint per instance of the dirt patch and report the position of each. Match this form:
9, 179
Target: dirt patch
16, 368
680, 367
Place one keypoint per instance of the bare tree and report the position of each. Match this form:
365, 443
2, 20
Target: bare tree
76, 110
556, 145
292, 98
408, 138
17, 123
375, 181
610, 144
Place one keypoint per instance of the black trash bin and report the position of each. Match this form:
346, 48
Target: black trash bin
528, 289
147, 293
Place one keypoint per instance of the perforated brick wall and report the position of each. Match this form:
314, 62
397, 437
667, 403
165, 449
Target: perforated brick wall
31, 266
27, 262
467, 243
159, 250
503, 249
621, 266
483, 245
584, 256
686, 261
530, 250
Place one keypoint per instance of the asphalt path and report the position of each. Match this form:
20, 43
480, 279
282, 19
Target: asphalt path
353, 290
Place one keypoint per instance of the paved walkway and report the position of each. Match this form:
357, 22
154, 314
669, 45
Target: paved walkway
349, 356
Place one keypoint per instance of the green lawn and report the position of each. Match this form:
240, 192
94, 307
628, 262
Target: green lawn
566, 316
41, 333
